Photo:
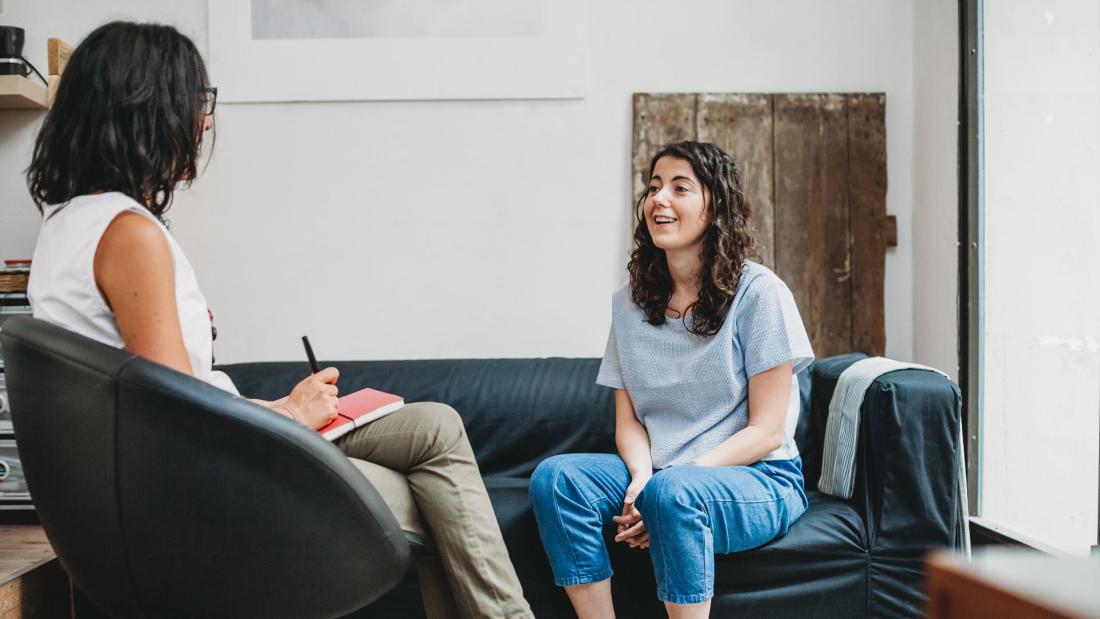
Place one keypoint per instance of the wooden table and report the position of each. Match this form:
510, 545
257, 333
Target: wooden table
32, 583
1012, 582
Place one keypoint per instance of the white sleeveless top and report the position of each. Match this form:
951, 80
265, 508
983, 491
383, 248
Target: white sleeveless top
62, 288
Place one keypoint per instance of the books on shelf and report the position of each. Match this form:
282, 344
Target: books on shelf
15, 275
360, 408
13, 288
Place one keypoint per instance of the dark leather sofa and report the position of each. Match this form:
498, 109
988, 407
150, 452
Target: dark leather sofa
856, 558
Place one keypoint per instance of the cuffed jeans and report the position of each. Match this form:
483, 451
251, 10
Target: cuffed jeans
690, 512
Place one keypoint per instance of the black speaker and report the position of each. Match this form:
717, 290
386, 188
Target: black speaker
11, 51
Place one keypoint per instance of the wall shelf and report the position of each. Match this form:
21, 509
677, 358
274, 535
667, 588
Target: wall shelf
20, 93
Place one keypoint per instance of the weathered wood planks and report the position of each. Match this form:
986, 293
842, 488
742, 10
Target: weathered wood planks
867, 180
814, 167
743, 126
811, 232
659, 120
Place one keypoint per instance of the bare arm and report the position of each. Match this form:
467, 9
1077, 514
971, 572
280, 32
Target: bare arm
769, 395
632, 441
631, 437
134, 271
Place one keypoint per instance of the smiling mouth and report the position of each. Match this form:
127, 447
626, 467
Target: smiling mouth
662, 219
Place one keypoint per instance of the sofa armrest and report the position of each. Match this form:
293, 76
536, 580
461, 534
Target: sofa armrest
907, 457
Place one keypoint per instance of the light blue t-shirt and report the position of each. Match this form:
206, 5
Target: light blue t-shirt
690, 391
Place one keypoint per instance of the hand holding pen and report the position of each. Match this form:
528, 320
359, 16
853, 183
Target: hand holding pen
314, 401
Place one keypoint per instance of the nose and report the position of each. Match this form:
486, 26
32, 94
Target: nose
661, 197
208, 123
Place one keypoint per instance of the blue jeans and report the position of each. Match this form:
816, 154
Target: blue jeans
690, 512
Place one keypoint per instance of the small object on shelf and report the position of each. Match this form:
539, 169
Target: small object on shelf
57, 53
11, 51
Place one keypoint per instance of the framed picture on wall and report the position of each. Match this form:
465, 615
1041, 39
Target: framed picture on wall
347, 50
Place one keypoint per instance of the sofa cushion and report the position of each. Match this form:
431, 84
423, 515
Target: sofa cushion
821, 563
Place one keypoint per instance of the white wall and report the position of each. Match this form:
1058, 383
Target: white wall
935, 184
487, 228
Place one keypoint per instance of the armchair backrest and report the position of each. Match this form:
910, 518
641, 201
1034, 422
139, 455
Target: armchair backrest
165, 496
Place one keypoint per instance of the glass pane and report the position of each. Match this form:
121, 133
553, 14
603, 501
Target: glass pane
1041, 218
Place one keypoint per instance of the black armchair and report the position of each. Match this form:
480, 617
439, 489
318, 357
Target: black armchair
164, 496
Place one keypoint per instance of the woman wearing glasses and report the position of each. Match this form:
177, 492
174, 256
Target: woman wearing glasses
125, 130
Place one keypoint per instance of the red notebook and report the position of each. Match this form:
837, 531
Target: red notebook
358, 409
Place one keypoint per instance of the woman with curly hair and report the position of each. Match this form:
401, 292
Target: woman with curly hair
702, 354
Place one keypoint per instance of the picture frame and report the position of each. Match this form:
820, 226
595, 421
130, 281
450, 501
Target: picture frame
362, 50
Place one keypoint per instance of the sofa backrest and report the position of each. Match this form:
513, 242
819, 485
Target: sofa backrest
517, 411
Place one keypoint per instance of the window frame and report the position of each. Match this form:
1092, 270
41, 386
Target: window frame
970, 265
971, 160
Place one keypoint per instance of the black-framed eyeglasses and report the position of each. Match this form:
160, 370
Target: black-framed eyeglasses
209, 100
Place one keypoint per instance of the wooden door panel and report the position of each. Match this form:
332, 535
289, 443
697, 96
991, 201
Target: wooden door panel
814, 168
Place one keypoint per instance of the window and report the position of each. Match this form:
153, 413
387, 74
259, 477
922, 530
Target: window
1031, 267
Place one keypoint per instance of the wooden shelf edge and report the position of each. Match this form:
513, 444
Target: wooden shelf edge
20, 93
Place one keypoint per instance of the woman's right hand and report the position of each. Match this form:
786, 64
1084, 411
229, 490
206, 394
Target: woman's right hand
313, 402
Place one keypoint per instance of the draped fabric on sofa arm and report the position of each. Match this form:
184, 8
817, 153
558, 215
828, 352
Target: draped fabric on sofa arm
853, 558
906, 478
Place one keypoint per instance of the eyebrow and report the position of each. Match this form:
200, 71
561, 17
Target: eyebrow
674, 178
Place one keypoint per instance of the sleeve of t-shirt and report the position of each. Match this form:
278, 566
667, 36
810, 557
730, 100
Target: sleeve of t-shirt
770, 328
610, 375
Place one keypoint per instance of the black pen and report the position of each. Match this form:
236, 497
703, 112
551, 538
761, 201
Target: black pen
313, 367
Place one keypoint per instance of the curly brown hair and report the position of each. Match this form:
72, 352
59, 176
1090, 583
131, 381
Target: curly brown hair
727, 242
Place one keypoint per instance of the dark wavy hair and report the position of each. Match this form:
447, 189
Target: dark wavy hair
727, 242
127, 117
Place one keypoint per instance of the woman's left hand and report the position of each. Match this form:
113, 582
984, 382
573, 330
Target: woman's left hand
631, 528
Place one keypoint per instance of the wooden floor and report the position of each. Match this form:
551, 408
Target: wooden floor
23, 547
32, 583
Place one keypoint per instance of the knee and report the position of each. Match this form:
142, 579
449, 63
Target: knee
441, 421
549, 479
543, 478
670, 490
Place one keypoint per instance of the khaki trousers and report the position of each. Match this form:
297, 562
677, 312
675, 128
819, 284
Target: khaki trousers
422, 465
